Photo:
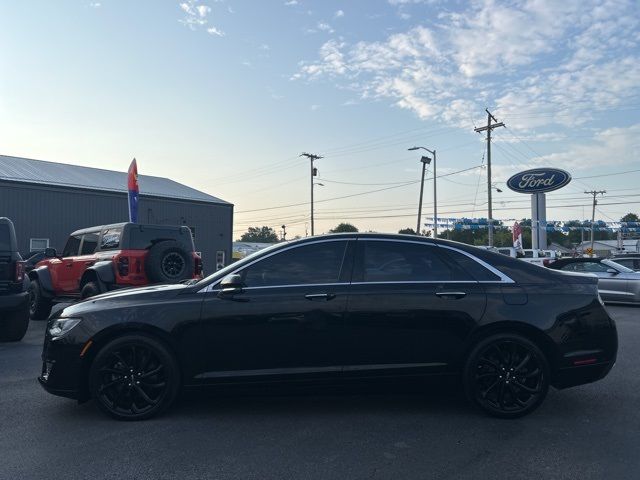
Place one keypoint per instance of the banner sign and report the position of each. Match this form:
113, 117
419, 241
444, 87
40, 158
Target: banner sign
134, 191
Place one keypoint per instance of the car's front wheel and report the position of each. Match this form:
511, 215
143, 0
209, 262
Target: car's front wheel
134, 377
506, 375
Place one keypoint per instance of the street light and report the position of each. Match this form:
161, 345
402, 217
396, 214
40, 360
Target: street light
425, 161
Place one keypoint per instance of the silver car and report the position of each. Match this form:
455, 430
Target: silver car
616, 283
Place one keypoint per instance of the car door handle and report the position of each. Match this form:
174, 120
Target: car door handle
453, 295
320, 296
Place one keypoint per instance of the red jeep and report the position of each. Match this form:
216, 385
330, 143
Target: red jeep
99, 259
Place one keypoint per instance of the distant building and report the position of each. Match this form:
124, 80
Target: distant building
604, 248
47, 201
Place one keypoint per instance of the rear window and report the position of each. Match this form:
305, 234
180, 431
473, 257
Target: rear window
5, 237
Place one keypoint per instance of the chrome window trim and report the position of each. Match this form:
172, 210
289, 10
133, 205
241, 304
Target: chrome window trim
211, 287
503, 278
336, 284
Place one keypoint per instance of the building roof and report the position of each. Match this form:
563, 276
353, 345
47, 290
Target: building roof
26, 170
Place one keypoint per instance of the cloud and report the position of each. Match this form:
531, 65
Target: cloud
95, 4
338, 14
216, 32
324, 27
290, 3
196, 15
522, 58
617, 145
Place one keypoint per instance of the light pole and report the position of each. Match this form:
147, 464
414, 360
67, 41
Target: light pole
314, 172
425, 161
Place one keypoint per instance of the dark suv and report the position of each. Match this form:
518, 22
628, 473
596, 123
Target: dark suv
99, 259
14, 299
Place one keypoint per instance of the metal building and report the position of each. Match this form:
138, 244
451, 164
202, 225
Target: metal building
47, 201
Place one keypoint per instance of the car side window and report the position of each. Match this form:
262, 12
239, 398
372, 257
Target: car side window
624, 262
595, 267
574, 267
388, 261
317, 263
475, 269
72, 247
89, 243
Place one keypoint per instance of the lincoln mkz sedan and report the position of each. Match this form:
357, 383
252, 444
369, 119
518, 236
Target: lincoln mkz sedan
338, 309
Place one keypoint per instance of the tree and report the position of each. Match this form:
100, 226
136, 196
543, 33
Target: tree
344, 228
630, 217
407, 231
260, 235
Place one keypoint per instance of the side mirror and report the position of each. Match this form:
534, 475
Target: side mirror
50, 252
612, 271
230, 285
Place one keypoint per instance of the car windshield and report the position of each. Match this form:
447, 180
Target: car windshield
617, 266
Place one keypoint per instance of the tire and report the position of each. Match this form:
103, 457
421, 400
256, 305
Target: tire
90, 289
134, 377
169, 262
506, 375
14, 324
39, 306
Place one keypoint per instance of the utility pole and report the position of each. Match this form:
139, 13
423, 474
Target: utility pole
425, 161
489, 128
314, 172
595, 193
284, 233
424, 167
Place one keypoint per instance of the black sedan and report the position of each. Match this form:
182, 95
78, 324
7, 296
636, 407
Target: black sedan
338, 309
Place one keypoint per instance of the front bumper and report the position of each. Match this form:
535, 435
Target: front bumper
74, 394
62, 367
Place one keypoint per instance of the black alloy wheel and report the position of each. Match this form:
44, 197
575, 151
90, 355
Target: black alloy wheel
173, 265
507, 376
134, 378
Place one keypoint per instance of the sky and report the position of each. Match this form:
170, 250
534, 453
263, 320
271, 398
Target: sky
224, 95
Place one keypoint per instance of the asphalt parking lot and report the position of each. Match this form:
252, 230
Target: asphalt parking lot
588, 432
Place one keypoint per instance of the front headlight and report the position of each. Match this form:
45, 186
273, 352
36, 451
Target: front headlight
61, 326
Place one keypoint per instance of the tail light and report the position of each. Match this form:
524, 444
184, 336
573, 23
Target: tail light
123, 266
546, 262
197, 261
19, 271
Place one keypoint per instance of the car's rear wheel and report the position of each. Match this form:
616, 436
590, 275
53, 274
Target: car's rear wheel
14, 324
506, 375
134, 377
39, 306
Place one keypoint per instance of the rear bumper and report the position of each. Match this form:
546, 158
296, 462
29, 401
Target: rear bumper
579, 375
14, 301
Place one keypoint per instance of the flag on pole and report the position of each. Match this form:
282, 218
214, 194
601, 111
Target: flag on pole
134, 191
517, 236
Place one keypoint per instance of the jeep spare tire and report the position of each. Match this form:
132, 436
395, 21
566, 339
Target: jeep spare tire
169, 261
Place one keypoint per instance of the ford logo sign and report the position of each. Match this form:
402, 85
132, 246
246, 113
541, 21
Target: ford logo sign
539, 180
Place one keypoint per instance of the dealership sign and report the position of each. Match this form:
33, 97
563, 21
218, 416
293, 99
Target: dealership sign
539, 180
